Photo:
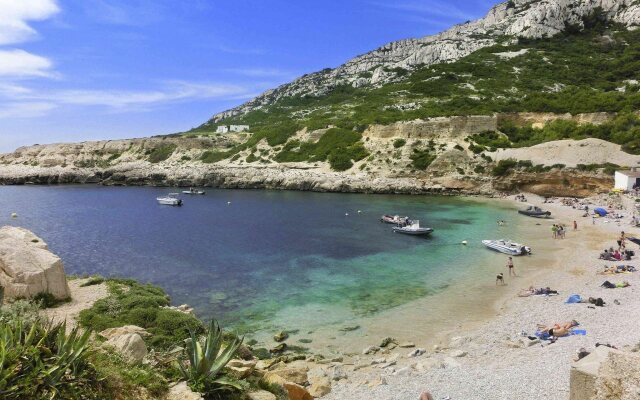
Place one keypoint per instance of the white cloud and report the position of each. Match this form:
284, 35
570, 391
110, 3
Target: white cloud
17, 98
19, 63
25, 109
15, 14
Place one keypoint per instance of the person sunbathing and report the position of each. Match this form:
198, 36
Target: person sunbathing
559, 330
536, 292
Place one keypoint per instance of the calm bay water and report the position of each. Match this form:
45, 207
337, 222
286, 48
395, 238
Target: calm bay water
266, 252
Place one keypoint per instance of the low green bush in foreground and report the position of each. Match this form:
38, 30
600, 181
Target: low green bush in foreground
133, 303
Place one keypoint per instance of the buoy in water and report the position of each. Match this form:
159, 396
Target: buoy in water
464, 242
228, 202
346, 214
14, 215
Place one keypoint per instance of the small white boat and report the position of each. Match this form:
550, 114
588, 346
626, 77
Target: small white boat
170, 200
507, 247
193, 191
394, 219
413, 229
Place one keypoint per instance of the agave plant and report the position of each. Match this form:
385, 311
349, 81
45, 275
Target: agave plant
206, 362
39, 360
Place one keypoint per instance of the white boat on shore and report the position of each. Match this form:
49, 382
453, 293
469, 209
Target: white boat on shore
170, 200
507, 247
193, 191
413, 229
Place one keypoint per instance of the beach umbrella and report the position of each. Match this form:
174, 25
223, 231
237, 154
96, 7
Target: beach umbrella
600, 211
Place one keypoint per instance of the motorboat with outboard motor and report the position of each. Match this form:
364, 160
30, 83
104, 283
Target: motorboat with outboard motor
193, 191
171, 199
395, 219
507, 247
535, 211
413, 229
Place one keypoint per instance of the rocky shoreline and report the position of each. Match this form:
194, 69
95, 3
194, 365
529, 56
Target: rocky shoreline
305, 178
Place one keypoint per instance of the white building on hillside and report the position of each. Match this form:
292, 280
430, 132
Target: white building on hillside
232, 128
627, 180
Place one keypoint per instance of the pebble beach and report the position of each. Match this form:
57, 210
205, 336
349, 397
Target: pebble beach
495, 359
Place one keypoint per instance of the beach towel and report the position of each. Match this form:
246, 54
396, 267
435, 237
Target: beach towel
600, 211
579, 332
574, 298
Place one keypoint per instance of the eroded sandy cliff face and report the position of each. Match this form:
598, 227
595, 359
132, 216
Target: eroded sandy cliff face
176, 161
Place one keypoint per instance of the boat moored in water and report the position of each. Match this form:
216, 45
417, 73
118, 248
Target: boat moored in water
507, 247
534, 211
395, 219
171, 199
413, 229
193, 191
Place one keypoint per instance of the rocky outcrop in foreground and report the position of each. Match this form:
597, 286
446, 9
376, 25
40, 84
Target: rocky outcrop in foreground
27, 267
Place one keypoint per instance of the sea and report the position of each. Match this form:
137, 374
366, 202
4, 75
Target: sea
259, 261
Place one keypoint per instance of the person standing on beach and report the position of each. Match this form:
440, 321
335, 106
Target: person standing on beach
575, 226
512, 271
554, 231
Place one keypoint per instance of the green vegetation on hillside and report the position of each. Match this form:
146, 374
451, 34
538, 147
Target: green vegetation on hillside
161, 153
339, 146
574, 73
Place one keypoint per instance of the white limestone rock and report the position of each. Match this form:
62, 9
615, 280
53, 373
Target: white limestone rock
27, 267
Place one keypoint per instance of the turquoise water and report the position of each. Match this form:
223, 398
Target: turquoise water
266, 252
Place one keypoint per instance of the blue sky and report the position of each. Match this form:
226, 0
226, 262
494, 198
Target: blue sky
73, 70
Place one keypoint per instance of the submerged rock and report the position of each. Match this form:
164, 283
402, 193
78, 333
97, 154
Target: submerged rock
281, 336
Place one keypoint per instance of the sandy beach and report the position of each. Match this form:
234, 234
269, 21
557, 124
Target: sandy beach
488, 357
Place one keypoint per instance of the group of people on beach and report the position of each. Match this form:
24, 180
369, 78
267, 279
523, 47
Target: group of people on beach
559, 231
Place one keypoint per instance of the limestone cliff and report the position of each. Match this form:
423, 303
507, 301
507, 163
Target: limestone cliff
530, 19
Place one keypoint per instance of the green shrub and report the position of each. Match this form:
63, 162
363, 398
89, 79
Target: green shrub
340, 161
458, 147
122, 378
161, 153
399, 143
94, 280
479, 169
132, 303
47, 300
504, 167
421, 159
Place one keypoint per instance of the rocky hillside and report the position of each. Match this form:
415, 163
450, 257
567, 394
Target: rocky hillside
542, 95
506, 22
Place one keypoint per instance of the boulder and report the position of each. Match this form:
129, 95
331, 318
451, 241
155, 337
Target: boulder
130, 345
387, 341
261, 395
320, 386
181, 391
297, 392
27, 267
605, 374
337, 373
123, 330
293, 374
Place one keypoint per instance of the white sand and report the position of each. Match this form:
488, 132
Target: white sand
493, 369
